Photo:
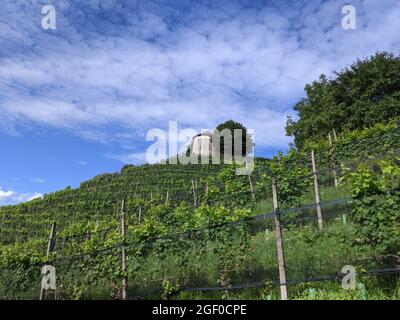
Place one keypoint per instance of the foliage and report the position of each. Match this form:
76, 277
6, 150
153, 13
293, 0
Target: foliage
289, 172
246, 145
172, 243
376, 204
365, 93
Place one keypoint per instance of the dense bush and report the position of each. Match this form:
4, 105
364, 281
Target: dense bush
376, 204
365, 93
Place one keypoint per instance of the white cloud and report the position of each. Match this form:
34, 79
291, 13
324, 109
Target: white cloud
12, 197
36, 195
129, 158
6, 195
81, 162
37, 180
219, 63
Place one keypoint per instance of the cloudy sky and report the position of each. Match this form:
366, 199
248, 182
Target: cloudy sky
79, 100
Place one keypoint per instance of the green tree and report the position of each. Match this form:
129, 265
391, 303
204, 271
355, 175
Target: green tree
365, 93
246, 143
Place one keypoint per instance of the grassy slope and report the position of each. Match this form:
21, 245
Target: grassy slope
99, 200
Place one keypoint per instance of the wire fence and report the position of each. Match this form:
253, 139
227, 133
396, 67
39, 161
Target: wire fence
225, 257
221, 256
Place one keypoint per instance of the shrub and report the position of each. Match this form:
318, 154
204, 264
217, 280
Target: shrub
376, 204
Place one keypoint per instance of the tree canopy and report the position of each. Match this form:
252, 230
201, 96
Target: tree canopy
247, 141
365, 93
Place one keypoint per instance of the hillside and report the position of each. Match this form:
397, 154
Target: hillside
164, 205
201, 231
99, 199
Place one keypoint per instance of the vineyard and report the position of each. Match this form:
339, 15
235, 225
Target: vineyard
201, 231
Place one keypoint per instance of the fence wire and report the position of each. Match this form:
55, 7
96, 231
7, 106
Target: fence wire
227, 256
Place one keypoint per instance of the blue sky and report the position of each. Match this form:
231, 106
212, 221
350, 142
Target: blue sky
78, 101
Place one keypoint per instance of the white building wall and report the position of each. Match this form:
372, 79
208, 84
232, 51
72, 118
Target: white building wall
202, 146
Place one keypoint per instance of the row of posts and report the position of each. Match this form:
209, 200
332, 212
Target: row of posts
278, 231
278, 228
51, 245
195, 192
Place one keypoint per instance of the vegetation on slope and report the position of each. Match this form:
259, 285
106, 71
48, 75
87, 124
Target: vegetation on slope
193, 226
361, 95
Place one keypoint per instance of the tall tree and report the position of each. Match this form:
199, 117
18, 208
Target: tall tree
246, 140
365, 93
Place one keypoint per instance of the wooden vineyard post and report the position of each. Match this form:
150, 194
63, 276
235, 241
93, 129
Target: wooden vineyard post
194, 194
335, 135
123, 253
140, 213
50, 247
206, 194
344, 219
251, 188
335, 175
279, 243
316, 190
196, 188
166, 197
